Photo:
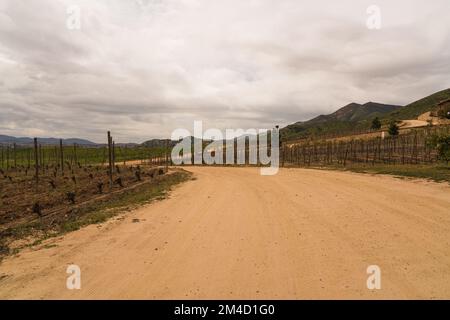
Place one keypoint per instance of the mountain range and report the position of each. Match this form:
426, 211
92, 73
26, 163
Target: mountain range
351, 117
356, 116
355, 112
44, 141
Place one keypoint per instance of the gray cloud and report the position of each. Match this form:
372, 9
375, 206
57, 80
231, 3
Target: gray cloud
143, 68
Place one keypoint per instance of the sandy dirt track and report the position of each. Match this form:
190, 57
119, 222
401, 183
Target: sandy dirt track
232, 233
413, 124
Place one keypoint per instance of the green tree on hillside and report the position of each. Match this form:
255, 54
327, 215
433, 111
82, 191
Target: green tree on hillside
376, 124
393, 129
442, 145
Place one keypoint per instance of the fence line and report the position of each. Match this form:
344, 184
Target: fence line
410, 148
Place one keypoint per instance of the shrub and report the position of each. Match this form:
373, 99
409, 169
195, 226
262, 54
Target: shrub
376, 124
37, 209
138, 175
442, 145
71, 197
119, 182
100, 187
393, 129
52, 184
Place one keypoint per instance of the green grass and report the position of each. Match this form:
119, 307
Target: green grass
438, 173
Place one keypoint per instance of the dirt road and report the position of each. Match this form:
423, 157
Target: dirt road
232, 233
413, 124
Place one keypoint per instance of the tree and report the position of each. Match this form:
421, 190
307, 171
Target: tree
442, 145
393, 129
376, 124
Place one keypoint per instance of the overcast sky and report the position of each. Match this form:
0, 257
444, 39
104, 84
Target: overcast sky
142, 68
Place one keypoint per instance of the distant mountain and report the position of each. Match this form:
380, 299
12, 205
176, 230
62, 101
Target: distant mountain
44, 141
344, 119
356, 112
159, 143
124, 145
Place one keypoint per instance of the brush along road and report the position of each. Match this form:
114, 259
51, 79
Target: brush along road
232, 233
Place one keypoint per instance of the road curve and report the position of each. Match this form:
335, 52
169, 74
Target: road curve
233, 234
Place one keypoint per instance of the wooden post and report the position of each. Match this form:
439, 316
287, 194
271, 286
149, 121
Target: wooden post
40, 156
110, 160
167, 156
415, 147
309, 154
29, 158
379, 150
15, 156
36, 162
7, 157
113, 154
104, 156
346, 153
75, 154
281, 152
367, 151
61, 154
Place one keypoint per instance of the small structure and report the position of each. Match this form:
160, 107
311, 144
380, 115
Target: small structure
443, 110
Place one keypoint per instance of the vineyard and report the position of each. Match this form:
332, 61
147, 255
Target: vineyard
50, 185
14, 156
413, 147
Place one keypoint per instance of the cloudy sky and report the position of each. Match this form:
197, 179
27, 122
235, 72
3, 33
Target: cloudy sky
142, 68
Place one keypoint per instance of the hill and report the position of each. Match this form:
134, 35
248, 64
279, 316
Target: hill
158, 143
161, 143
415, 109
356, 117
351, 116
44, 141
